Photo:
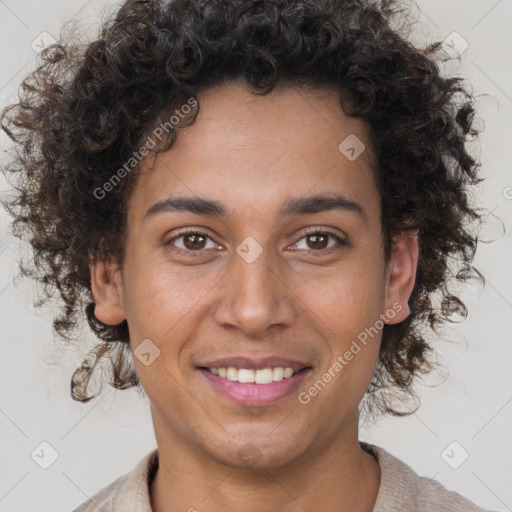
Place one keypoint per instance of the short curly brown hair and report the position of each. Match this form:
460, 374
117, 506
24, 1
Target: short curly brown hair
84, 111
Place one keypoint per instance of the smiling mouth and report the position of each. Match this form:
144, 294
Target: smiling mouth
255, 388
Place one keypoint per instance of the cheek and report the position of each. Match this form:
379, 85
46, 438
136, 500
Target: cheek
166, 303
354, 337
347, 307
349, 300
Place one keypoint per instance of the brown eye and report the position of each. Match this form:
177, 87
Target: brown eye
194, 241
191, 242
318, 240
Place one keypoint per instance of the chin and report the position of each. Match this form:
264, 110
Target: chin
257, 452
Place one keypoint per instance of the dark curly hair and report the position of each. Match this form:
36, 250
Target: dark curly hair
86, 109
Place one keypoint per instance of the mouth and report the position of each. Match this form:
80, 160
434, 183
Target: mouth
249, 385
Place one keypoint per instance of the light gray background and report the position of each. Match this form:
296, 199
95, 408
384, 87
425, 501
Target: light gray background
98, 441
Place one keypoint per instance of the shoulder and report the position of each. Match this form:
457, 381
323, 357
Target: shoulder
403, 489
434, 496
128, 492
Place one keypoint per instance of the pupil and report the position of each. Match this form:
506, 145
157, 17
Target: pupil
193, 245
316, 238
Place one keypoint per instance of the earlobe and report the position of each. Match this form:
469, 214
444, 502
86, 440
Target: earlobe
401, 275
107, 292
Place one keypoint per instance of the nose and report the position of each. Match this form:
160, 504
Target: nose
255, 296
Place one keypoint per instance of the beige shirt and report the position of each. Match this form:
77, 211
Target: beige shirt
401, 489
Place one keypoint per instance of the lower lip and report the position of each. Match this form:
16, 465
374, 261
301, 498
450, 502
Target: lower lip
256, 394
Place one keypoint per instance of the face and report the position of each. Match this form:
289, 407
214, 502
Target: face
271, 275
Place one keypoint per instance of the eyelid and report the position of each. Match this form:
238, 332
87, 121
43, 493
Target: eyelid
320, 229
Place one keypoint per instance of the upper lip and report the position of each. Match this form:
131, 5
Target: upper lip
255, 364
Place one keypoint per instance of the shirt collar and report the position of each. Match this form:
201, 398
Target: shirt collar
396, 479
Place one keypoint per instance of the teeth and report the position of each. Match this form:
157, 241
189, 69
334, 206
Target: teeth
288, 372
263, 376
278, 374
232, 373
243, 375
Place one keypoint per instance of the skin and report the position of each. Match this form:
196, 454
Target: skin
296, 300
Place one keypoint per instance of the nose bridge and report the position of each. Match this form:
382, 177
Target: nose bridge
255, 296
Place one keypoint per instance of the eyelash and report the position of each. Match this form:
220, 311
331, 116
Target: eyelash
309, 231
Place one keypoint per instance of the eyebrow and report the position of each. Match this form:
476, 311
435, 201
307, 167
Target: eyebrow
292, 206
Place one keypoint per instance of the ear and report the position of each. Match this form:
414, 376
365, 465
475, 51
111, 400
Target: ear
107, 291
401, 275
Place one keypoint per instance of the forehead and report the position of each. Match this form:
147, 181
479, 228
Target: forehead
251, 153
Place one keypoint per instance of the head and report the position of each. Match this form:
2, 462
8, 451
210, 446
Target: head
318, 162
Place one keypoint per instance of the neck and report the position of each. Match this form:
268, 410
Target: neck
338, 477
